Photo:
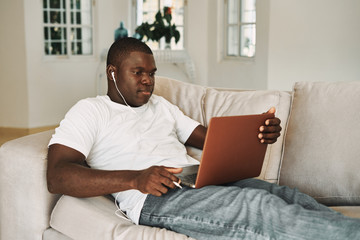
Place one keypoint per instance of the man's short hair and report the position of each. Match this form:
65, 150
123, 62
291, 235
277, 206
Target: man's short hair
123, 47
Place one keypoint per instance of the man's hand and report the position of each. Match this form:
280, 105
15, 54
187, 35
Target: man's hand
271, 131
157, 180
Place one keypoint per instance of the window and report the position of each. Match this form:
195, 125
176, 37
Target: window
240, 21
146, 11
68, 27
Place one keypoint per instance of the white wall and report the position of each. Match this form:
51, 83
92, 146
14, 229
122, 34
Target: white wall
197, 37
313, 41
13, 85
55, 84
246, 73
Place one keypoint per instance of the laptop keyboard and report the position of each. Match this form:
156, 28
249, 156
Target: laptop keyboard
191, 178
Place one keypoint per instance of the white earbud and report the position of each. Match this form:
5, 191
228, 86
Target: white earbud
113, 76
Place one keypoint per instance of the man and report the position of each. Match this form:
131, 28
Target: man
134, 143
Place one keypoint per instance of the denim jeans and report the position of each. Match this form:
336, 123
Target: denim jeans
248, 209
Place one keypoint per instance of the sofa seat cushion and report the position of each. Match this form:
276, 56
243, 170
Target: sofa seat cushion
350, 211
94, 218
225, 102
321, 151
52, 234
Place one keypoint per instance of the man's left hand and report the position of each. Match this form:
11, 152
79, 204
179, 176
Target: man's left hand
270, 132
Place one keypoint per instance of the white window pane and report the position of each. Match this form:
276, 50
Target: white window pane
248, 36
56, 39
248, 13
81, 41
178, 4
153, 45
87, 47
180, 44
86, 5
178, 13
139, 16
149, 16
86, 18
146, 11
241, 28
86, 33
167, 3
178, 19
233, 11
233, 41
150, 6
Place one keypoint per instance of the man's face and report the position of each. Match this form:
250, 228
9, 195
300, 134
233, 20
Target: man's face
136, 78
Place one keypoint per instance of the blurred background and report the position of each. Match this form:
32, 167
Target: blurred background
52, 52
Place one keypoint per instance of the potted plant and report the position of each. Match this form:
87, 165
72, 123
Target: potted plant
160, 28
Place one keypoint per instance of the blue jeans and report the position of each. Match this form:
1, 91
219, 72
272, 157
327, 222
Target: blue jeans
248, 209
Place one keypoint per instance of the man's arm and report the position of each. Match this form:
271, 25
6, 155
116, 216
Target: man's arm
269, 133
68, 174
197, 137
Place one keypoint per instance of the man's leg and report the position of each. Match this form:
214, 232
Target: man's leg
232, 212
290, 196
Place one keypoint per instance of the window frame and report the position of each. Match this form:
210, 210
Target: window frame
239, 24
68, 26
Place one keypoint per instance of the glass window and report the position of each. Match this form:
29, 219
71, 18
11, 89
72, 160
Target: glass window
240, 28
68, 27
146, 11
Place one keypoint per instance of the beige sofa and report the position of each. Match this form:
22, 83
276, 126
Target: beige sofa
318, 152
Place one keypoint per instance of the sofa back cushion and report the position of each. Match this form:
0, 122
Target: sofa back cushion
188, 97
321, 155
225, 102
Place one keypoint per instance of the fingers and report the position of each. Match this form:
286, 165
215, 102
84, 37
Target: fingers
174, 170
272, 121
268, 138
271, 110
270, 132
157, 180
169, 179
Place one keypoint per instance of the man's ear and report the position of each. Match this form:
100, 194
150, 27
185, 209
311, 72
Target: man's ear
109, 70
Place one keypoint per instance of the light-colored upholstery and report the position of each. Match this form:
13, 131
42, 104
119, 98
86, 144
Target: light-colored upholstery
221, 102
94, 218
26, 205
322, 146
188, 97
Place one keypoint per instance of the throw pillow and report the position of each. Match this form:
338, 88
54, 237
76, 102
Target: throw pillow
225, 102
321, 151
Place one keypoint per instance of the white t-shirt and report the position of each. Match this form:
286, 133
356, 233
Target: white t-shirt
113, 137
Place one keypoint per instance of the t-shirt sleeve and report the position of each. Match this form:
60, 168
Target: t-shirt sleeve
78, 129
184, 125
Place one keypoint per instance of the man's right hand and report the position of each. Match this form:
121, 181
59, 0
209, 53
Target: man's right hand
157, 180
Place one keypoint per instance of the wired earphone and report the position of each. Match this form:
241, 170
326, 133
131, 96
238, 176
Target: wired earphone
122, 215
113, 77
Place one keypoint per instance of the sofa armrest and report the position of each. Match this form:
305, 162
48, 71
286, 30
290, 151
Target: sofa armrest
25, 203
94, 218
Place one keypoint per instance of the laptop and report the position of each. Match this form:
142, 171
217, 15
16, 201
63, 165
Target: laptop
232, 151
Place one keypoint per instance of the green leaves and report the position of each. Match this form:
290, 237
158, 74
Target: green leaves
159, 28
